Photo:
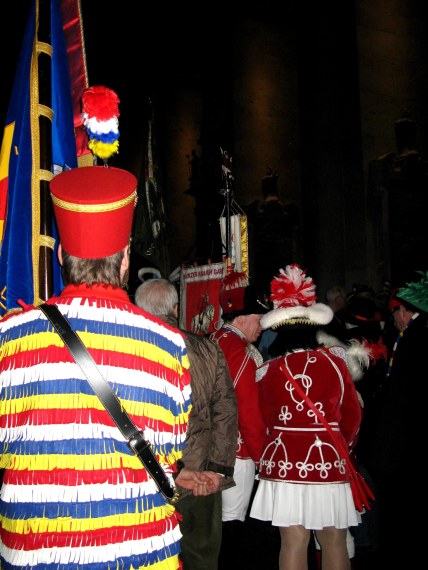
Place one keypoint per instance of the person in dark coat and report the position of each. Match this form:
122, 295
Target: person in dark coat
399, 446
212, 432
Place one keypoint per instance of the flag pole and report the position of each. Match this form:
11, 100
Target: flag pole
42, 66
227, 193
38, 142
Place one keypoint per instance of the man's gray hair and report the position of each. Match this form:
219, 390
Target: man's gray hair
157, 297
105, 270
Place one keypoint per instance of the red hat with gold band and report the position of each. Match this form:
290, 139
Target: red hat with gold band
94, 208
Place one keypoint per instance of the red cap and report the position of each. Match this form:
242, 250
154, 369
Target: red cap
232, 292
232, 300
94, 208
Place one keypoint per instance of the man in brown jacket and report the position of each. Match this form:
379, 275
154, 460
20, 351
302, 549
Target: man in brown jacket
212, 431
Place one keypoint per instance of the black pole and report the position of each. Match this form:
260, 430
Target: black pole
45, 129
227, 223
227, 191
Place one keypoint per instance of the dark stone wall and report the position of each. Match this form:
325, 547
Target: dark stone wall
311, 90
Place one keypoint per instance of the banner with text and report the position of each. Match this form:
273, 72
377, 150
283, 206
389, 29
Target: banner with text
199, 292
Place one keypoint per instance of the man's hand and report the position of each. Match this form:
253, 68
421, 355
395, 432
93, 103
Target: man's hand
215, 478
201, 483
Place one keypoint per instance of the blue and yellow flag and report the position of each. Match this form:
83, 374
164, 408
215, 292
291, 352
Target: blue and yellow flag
20, 171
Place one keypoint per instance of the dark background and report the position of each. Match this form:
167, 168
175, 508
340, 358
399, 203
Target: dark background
345, 70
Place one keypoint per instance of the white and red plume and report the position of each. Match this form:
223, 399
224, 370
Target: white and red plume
294, 301
292, 287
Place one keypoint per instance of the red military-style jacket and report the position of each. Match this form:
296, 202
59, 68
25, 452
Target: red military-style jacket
243, 358
298, 448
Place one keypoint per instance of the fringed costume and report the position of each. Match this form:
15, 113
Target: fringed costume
73, 494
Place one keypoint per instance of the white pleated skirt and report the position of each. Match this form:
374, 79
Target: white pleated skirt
312, 506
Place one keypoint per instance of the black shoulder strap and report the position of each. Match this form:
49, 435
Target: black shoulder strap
133, 436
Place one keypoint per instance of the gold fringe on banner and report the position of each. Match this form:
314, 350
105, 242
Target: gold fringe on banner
244, 243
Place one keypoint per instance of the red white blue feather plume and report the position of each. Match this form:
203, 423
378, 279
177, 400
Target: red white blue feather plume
100, 113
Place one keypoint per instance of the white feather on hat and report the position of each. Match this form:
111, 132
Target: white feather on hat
360, 354
357, 353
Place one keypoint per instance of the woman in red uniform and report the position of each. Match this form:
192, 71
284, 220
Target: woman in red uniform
304, 482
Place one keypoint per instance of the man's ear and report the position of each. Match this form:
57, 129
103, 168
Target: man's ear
59, 253
175, 310
125, 262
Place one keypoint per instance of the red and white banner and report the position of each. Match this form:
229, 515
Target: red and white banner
199, 292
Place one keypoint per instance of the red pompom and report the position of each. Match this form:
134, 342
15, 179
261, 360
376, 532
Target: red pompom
100, 103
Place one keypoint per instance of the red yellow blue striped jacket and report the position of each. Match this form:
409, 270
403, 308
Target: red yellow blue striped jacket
73, 494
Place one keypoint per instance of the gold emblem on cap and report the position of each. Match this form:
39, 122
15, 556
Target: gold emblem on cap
94, 208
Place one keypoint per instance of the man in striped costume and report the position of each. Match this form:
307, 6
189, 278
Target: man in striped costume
73, 494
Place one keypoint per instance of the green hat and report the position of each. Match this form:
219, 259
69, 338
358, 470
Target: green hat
416, 294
